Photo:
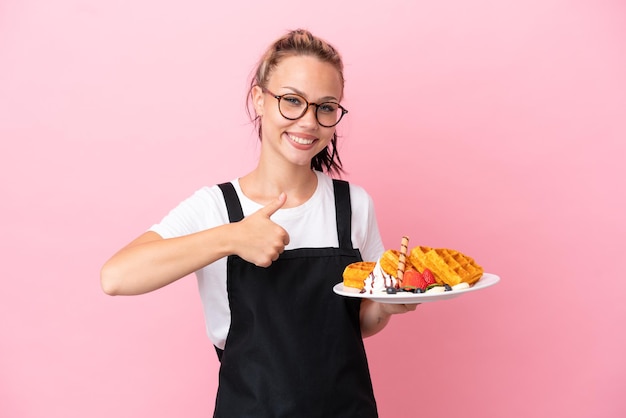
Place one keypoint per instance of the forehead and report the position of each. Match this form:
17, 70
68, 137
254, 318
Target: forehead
307, 74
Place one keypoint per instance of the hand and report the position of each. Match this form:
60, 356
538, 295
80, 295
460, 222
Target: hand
262, 240
392, 308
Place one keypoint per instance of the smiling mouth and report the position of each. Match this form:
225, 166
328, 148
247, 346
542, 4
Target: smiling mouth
301, 141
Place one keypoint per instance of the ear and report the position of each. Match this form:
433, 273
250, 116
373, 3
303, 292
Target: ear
257, 100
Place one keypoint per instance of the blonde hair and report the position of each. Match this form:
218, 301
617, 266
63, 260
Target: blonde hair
297, 43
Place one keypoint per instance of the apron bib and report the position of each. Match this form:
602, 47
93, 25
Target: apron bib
294, 348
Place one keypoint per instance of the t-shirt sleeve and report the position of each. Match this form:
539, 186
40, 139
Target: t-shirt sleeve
202, 210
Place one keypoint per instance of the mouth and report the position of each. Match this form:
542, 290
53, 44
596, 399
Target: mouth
300, 140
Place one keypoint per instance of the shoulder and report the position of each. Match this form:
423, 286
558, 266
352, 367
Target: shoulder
365, 234
359, 197
203, 209
207, 198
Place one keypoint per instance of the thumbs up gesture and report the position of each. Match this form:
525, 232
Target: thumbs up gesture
261, 240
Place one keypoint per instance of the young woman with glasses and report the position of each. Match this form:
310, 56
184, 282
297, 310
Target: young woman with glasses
268, 247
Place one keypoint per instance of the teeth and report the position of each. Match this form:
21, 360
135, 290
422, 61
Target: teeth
301, 141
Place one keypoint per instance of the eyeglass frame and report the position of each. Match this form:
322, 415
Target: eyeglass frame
306, 109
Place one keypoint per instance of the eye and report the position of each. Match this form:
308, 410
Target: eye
328, 107
293, 100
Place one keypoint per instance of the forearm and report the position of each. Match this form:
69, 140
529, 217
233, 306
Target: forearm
375, 316
151, 262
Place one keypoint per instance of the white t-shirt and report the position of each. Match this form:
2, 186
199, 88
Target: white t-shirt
311, 225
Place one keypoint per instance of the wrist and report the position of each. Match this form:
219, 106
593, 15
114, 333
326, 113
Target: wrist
231, 245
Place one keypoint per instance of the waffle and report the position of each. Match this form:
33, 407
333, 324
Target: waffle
389, 262
355, 274
449, 266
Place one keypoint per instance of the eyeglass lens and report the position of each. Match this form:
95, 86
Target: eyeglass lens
293, 106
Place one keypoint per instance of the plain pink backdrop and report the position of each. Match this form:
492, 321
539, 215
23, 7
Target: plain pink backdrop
493, 127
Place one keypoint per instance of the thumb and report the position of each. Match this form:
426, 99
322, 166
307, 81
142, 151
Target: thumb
272, 207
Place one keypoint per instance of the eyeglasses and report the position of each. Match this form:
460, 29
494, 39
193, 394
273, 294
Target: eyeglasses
293, 106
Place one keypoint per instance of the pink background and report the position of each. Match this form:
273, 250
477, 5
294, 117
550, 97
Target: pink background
493, 127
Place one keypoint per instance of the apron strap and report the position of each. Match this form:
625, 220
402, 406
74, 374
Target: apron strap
219, 353
233, 204
343, 209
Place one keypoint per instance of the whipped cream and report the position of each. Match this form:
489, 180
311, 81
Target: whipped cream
435, 289
460, 286
378, 281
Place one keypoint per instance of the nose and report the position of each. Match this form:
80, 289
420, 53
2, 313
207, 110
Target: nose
310, 116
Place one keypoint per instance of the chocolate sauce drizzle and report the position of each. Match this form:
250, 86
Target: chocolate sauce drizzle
388, 281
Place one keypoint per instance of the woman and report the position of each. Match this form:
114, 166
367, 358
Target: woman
268, 247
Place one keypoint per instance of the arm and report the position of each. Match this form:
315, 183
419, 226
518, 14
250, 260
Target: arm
151, 262
375, 316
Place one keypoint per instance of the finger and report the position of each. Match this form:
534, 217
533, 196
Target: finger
286, 239
272, 207
394, 309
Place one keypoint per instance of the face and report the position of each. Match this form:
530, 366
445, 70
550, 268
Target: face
296, 141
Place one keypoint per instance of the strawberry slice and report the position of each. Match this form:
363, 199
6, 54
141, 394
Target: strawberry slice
429, 277
413, 279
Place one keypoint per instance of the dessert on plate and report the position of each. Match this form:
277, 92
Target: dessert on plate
421, 270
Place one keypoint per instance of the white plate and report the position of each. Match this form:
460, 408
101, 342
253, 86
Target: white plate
485, 281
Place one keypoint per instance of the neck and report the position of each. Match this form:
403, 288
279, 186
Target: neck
265, 183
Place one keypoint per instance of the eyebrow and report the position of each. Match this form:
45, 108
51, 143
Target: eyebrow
301, 93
